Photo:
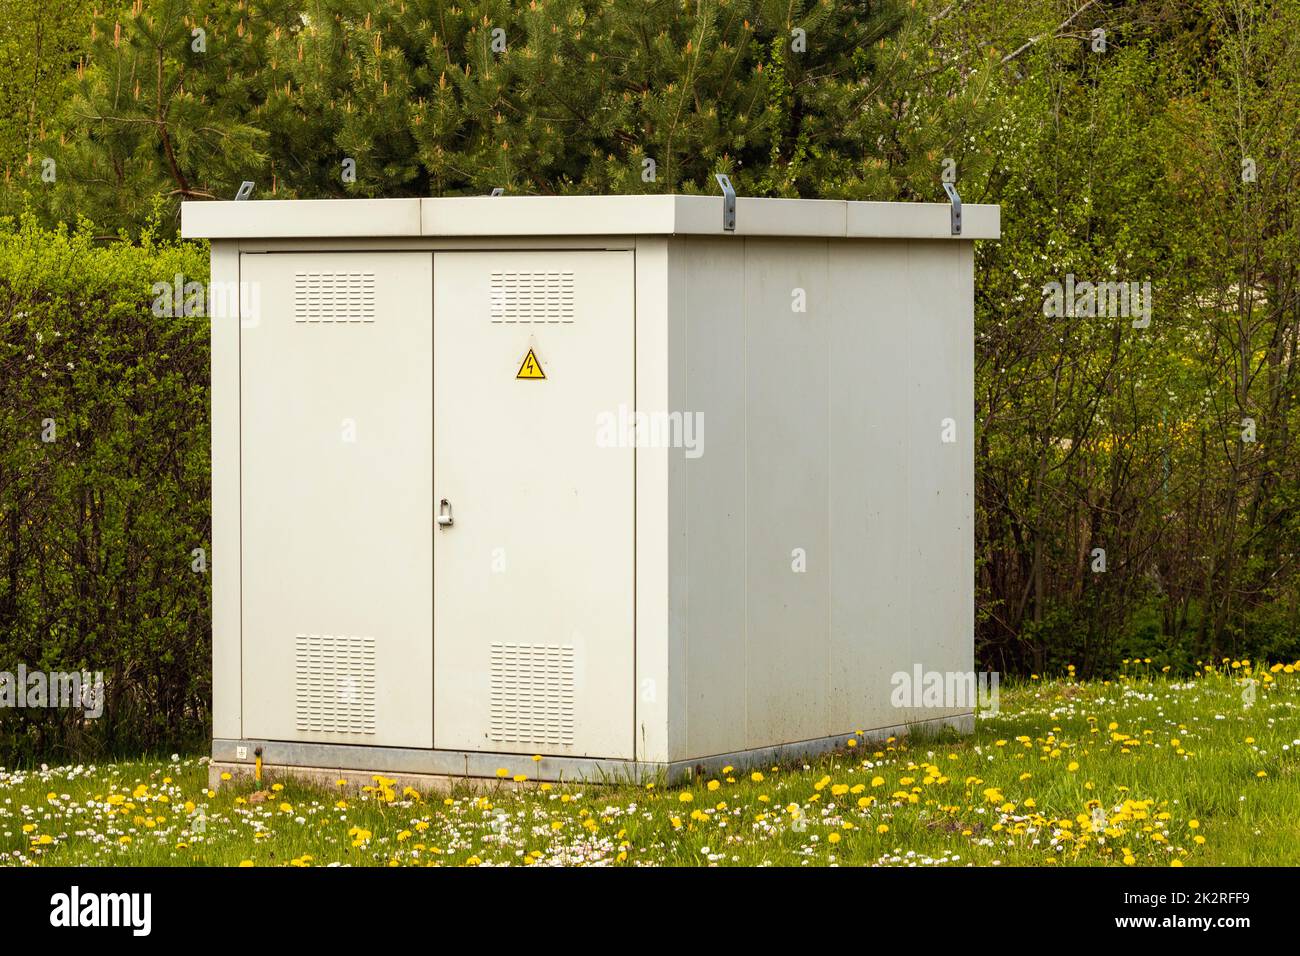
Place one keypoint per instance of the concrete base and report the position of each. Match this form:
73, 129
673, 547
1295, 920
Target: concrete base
351, 780
439, 770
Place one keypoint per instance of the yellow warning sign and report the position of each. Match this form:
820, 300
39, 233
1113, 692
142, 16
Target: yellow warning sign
531, 367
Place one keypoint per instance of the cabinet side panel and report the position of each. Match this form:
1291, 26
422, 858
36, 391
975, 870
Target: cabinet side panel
870, 619
786, 351
940, 462
902, 483
714, 470
828, 521
660, 722
224, 564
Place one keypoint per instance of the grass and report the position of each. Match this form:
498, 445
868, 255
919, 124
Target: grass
1139, 771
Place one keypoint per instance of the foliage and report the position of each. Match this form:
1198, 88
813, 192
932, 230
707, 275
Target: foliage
428, 97
103, 489
1098, 435
39, 45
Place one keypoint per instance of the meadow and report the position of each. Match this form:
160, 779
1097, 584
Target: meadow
1141, 770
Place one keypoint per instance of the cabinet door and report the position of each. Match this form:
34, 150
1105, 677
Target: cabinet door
336, 392
533, 636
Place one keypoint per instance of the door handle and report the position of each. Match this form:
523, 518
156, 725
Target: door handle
444, 513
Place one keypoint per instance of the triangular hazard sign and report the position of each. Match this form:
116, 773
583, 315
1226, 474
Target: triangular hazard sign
531, 368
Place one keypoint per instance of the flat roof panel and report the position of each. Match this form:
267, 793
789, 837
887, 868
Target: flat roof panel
546, 215
788, 217
300, 218
921, 220
579, 216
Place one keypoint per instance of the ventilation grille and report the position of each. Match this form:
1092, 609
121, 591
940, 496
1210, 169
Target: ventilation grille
334, 297
532, 297
532, 693
335, 691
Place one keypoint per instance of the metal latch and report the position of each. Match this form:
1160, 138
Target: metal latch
444, 513
498, 191
245, 190
728, 202
953, 198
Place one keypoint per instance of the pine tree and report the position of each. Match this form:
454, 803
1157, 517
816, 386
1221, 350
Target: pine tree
602, 96
165, 104
183, 100
594, 96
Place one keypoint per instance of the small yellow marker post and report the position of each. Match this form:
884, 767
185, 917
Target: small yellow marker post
531, 368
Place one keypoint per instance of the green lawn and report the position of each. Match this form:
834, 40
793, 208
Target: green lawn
1141, 771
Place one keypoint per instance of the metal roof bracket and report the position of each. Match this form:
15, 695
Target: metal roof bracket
951, 190
728, 202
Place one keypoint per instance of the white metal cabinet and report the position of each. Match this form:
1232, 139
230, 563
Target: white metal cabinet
821, 542
533, 646
336, 467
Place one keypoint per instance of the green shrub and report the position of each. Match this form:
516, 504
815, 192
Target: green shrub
104, 489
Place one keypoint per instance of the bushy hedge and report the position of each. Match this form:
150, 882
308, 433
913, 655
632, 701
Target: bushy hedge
104, 490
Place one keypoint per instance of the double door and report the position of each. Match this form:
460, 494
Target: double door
436, 530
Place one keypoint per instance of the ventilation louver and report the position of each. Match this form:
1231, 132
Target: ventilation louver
532, 297
335, 683
532, 693
334, 297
